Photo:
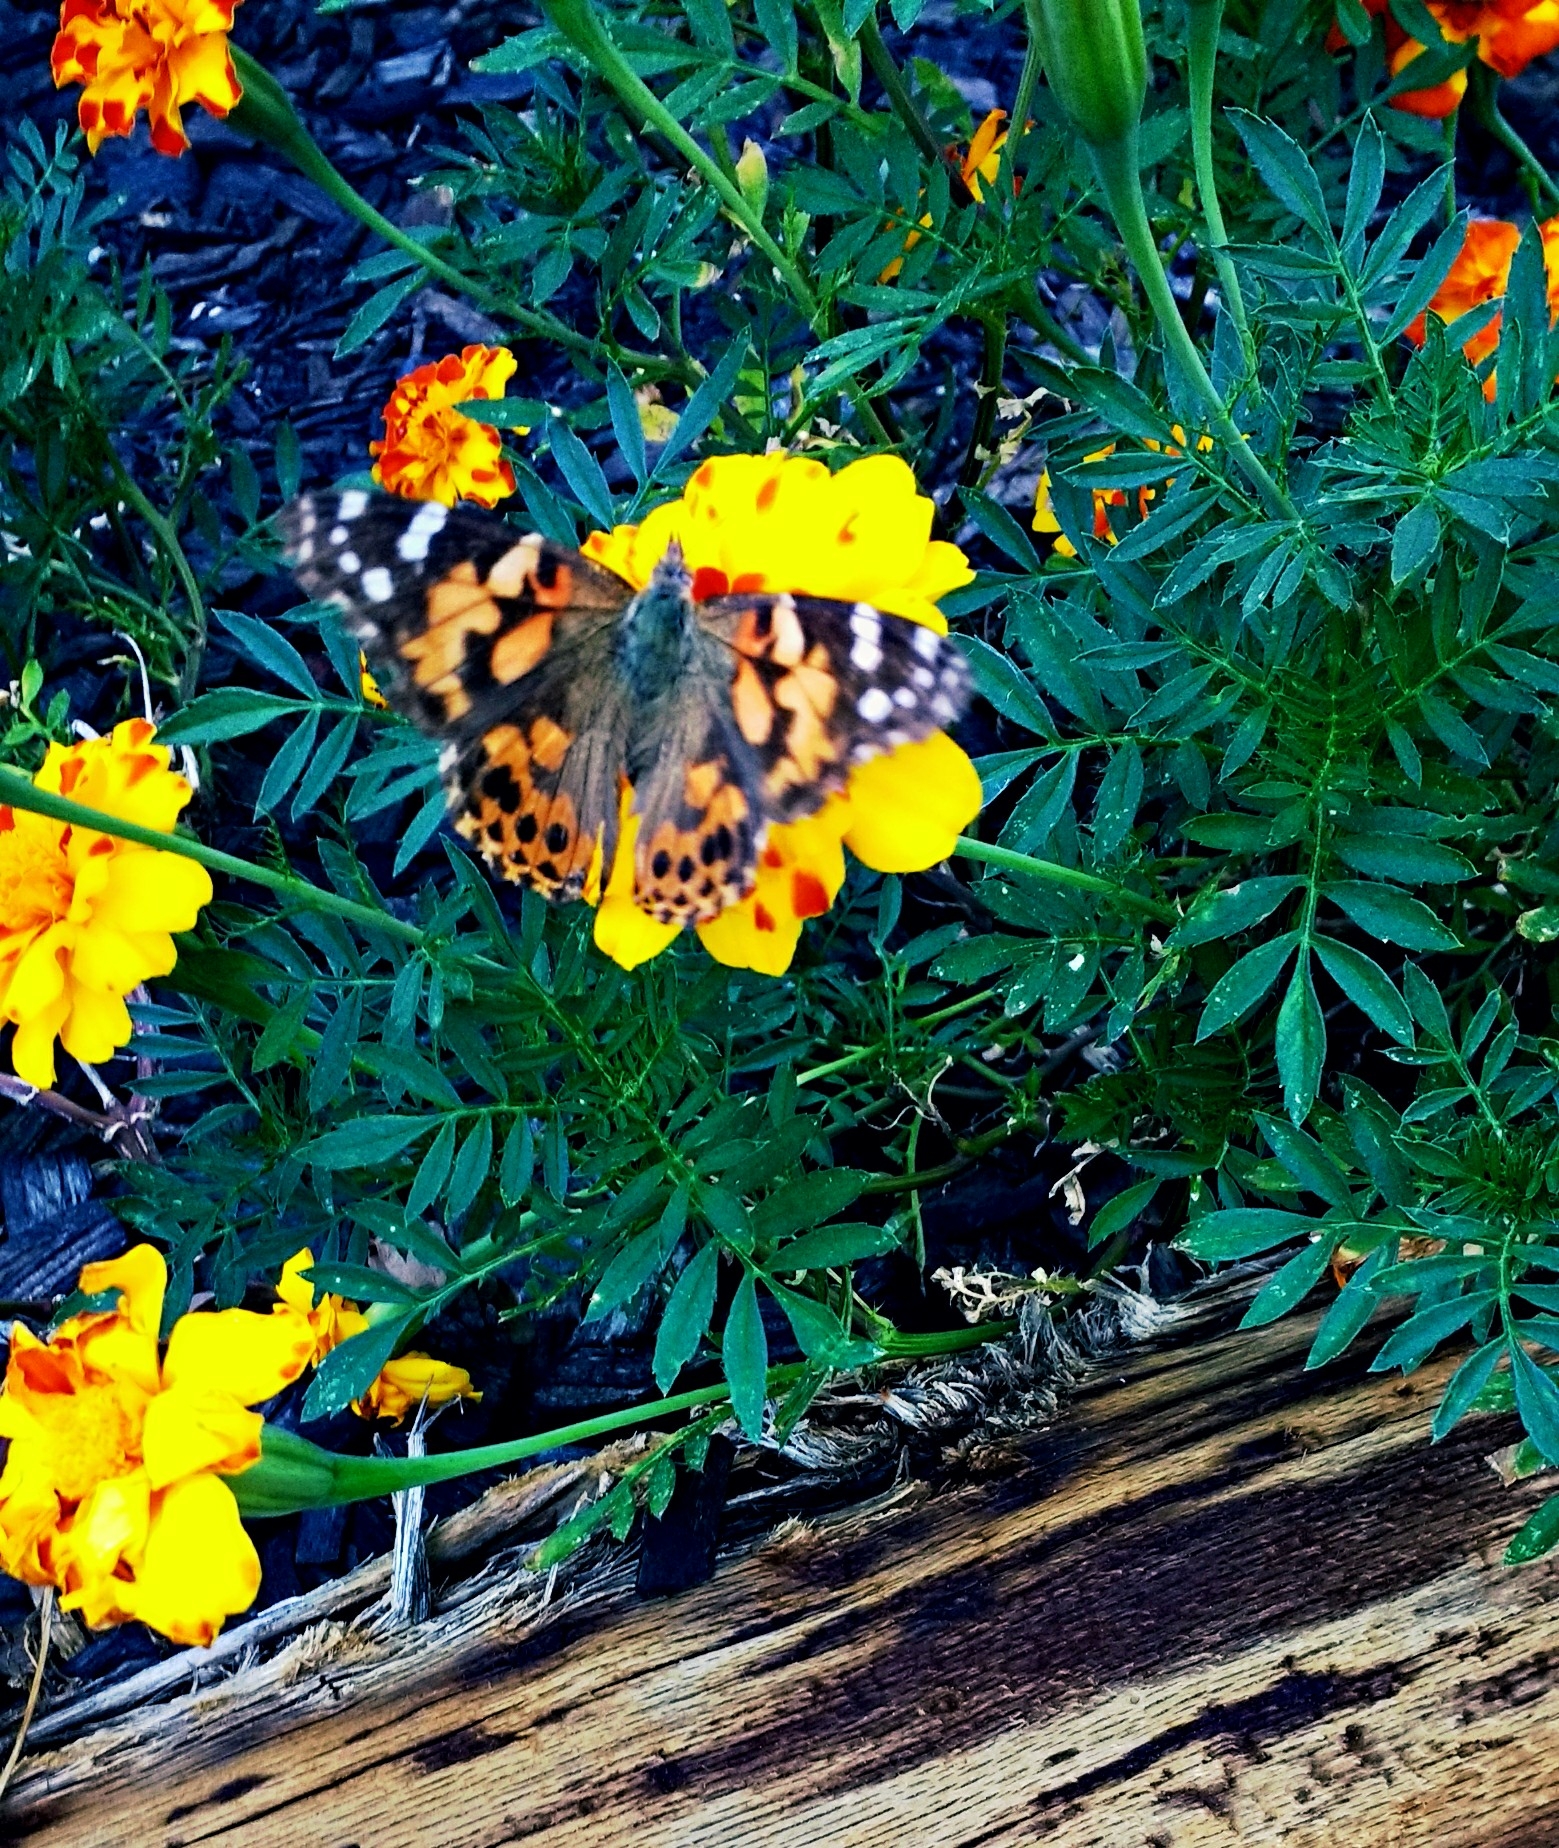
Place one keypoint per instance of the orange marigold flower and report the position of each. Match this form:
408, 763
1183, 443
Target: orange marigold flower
411, 1380
1104, 499
1481, 273
982, 160
155, 55
1439, 100
1510, 33
112, 1489
431, 451
784, 523
85, 918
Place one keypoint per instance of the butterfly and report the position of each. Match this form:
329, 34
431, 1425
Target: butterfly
550, 681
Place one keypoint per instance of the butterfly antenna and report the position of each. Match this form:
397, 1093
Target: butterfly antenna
671, 569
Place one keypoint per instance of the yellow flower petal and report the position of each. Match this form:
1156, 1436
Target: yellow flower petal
191, 1428
200, 1567
246, 1356
908, 808
408, 1381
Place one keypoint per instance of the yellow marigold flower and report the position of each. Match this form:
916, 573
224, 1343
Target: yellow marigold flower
331, 1319
430, 450
783, 523
1104, 499
367, 685
155, 55
85, 918
112, 1489
411, 1380
982, 159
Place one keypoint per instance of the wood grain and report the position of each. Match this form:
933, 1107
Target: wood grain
1222, 1601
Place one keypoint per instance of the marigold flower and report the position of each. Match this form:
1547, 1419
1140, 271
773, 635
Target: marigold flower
979, 162
331, 1319
85, 918
1481, 273
1104, 499
411, 1380
112, 1489
1439, 100
367, 686
778, 523
155, 55
430, 450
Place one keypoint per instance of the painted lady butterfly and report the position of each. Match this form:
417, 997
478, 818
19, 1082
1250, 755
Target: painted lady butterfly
550, 680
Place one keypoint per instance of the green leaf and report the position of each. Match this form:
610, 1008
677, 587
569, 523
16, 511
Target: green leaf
582, 473
1293, 1283
704, 405
807, 1202
1306, 1161
472, 1166
1537, 1537
1537, 1400
377, 310
642, 1257
1367, 986
1415, 541
348, 1371
518, 1162
229, 712
744, 1353
1389, 916
1236, 908
999, 680
831, 1247
820, 1334
1407, 858
1301, 1043
1466, 1383
686, 1317
1119, 1212
1243, 986
1242, 1232
1282, 165
1412, 1344
365, 1142
1355, 1304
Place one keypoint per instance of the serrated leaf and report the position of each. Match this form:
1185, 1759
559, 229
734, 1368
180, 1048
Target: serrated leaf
1234, 909
1464, 1386
1241, 988
1537, 1400
1242, 1232
1389, 916
1367, 986
349, 1370
365, 1142
1292, 1284
1537, 1537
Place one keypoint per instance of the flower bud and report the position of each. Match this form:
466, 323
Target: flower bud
1095, 62
752, 175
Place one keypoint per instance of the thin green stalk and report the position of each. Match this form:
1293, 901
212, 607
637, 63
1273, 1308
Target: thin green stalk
888, 74
1204, 19
1027, 306
978, 457
579, 24
265, 113
1054, 873
1483, 92
1116, 163
862, 1053
294, 1474
17, 791
1448, 141
1028, 82
169, 540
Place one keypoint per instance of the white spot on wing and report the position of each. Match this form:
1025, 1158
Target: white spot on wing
928, 644
414, 542
352, 504
864, 620
874, 705
378, 585
905, 697
303, 551
923, 677
338, 535
865, 654
350, 563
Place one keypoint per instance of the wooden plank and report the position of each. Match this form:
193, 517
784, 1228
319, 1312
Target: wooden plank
1221, 1601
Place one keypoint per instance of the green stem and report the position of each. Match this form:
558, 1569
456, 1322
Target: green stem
578, 22
1054, 873
1448, 137
1028, 82
293, 1474
1027, 306
1204, 19
896, 90
1120, 179
163, 529
978, 456
1483, 90
18, 792
265, 113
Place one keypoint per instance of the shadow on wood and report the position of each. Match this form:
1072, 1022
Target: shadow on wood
1221, 1601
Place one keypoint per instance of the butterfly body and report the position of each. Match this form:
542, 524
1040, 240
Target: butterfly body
550, 683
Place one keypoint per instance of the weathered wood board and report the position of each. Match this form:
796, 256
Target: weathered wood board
1222, 1601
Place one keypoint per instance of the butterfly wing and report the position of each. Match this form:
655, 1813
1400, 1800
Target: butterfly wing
501, 645
818, 686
